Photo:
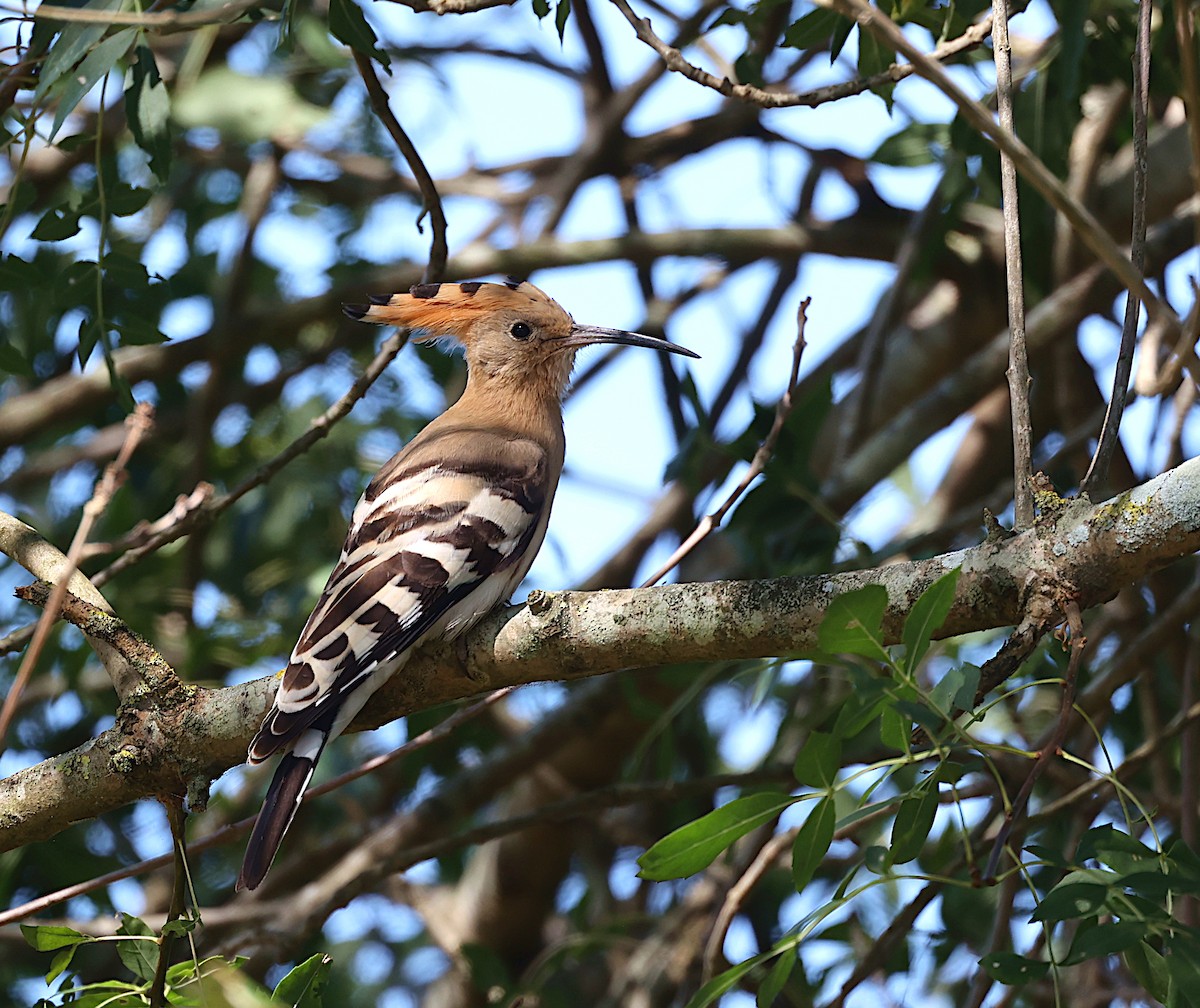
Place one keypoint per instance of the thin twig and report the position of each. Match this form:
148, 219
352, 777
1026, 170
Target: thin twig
1098, 470
177, 817
1018, 357
1000, 937
1053, 744
737, 895
783, 410
431, 200
779, 98
137, 424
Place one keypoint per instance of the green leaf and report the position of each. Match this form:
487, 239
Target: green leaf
771, 987
301, 988
874, 57
348, 24
956, 689
486, 967
122, 199
247, 108
693, 847
1149, 968
60, 962
541, 8
875, 859
914, 146
812, 842
818, 762
913, 823
852, 624
1066, 902
180, 926
138, 331
88, 337
1012, 969
140, 953
109, 994
927, 614
856, 713
562, 12
48, 937
729, 16
1105, 940
13, 360
749, 69
148, 110
725, 982
73, 43
815, 29
98, 63
841, 33
1183, 967
1116, 849
56, 224
894, 729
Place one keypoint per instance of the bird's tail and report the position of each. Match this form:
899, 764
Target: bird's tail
282, 803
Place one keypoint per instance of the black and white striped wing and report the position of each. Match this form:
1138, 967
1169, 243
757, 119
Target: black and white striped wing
430, 550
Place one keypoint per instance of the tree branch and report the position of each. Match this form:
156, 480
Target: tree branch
1078, 552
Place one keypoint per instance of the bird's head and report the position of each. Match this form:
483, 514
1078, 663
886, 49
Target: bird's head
511, 331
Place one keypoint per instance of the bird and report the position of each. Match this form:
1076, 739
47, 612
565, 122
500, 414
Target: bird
445, 531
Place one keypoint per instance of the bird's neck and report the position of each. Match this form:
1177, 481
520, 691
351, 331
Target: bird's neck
531, 408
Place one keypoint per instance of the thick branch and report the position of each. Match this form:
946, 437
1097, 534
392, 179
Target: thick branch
1078, 552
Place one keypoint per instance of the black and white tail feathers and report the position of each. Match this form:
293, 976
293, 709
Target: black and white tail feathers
278, 810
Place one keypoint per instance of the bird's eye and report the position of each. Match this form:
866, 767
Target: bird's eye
520, 331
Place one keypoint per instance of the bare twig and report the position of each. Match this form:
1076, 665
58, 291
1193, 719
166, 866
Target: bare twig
454, 6
431, 201
783, 410
1052, 745
1018, 357
779, 98
177, 817
737, 896
1098, 470
137, 424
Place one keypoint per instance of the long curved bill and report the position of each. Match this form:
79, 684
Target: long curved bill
582, 336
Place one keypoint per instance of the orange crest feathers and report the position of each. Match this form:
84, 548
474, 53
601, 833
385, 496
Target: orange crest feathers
450, 309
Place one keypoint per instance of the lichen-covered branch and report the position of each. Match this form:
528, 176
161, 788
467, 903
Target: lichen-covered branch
1077, 552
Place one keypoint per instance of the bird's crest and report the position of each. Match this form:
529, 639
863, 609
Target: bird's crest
450, 309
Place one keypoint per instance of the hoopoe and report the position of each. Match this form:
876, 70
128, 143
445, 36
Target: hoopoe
445, 531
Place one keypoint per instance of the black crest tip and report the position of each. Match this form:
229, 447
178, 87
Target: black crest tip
356, 311
380, 298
